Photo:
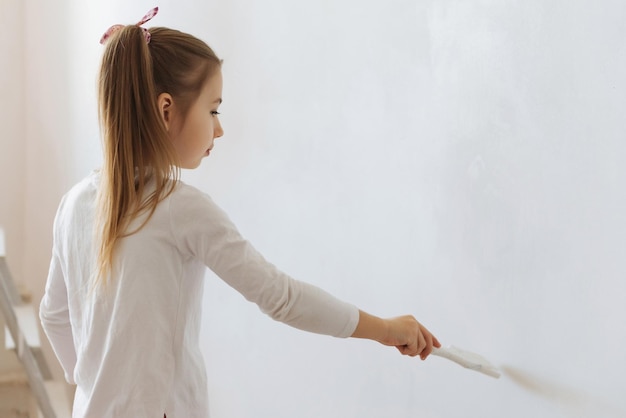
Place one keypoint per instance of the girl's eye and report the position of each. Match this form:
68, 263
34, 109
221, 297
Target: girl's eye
215, 113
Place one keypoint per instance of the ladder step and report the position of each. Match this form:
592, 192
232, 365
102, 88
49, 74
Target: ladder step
27, 322
2, 247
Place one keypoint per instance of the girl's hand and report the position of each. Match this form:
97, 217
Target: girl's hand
410, 337
404, 332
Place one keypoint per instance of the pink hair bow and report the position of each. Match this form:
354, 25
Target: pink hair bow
143, 20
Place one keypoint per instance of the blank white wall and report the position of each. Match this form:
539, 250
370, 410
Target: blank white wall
12, 135
461, 161
12, 146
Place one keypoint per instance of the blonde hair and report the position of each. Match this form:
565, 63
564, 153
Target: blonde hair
136, 145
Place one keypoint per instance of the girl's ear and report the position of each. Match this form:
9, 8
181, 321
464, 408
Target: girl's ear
165, 104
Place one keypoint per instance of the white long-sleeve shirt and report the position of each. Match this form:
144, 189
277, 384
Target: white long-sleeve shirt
132, 350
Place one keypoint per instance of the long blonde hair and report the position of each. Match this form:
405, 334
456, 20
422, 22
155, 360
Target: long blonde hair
136, 145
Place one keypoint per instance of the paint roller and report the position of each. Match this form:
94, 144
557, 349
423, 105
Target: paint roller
468, 360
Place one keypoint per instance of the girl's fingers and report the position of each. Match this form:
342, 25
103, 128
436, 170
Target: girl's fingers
415, 346
421, 342
429, 346
436, 342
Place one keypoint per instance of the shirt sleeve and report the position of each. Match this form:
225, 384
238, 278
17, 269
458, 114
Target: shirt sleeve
55, 319
204, 231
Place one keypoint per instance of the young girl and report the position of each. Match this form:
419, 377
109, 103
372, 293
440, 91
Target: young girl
122, 305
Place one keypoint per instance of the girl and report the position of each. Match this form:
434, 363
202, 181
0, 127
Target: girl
122, 304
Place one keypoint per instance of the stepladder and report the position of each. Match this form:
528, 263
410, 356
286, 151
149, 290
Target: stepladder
22, 336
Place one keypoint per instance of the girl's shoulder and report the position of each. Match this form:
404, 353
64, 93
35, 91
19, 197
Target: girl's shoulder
192, 213
189, 199
82, 192
188, 194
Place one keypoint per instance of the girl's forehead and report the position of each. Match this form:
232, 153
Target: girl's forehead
213, 86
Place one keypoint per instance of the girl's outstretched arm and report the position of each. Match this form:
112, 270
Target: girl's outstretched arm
404, 332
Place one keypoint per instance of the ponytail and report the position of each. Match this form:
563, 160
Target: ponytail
136, 145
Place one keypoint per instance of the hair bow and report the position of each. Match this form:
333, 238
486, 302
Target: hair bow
143, 20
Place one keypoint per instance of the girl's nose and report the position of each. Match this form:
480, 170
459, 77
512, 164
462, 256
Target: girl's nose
218, 131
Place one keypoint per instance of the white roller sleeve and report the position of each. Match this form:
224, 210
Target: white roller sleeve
468, 360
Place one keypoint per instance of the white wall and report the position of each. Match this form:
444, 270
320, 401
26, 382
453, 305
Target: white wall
12, 134
12, 147
461, 161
